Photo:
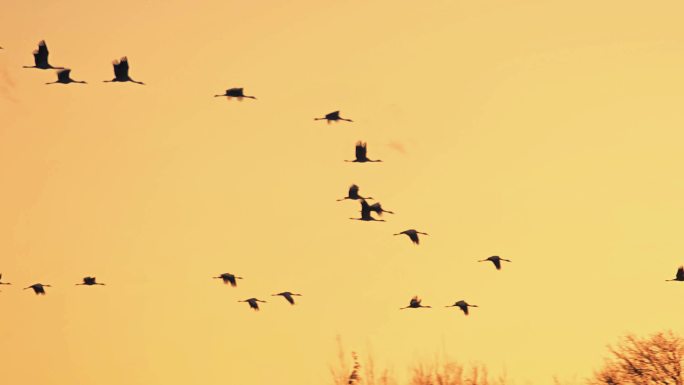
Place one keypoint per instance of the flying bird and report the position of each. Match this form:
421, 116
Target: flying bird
377, 208
89, 281
228, 279
333, 117
353, 194
463, 305
64, 78
235, 93
361, 151
3, 283
366, 213
413, 235
496, 260
121, 72
288, 296
38, 288
253, 303
679, 276
40, 58
415, 303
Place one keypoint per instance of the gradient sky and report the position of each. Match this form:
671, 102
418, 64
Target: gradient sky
549, 133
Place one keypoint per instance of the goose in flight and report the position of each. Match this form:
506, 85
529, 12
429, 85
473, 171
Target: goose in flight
415, 303
463, 305
333, 117
288, 296
496, 260
235, 93
228, 279
40, 58
413, 235
253, 303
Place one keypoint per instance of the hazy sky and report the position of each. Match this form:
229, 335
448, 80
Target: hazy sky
545, 132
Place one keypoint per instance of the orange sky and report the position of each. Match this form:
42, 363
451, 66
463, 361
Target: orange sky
547, 133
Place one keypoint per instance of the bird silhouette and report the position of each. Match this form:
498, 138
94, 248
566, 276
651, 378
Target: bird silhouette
288, 296
333, 117
413, 235
463, 305
228, 279
3, 283
121, 72
354, 194
377, 208
89, 281
38, 288
415, 303
361, 150
253, 303
679, 276
40, 58
64, 78
496, 260
235, 93
366, 213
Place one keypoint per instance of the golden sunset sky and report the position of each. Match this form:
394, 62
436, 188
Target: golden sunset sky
549, 133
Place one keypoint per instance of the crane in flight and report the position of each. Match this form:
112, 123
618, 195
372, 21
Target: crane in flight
253, 303
63, 77
333, 117
238, 93
89, 281
228, 278
353, 194
413, 235
121, 68
366, 213
496, 260
40, 58
415, 303
288, 296
361, 151
38, 288
463, 305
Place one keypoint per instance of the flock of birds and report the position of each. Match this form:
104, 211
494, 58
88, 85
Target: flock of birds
121, 69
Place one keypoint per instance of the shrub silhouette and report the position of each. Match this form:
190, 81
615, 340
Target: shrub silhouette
656, 359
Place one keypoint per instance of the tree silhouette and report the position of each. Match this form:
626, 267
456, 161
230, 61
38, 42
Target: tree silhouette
643, 361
